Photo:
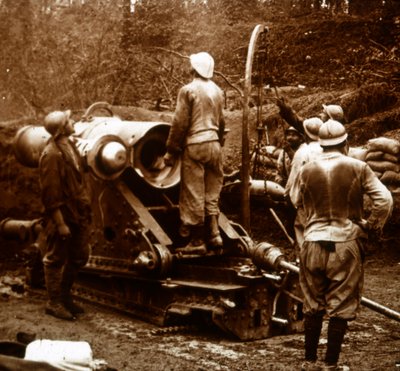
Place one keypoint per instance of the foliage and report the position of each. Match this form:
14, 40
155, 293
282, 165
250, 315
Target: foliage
53, 57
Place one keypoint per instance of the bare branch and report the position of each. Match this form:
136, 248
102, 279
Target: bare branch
229, 83
215, 72
165, 68
170, 51
380, 46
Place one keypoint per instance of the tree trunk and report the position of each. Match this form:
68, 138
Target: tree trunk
362, 7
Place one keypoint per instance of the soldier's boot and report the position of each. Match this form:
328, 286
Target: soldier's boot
68, 278
215, 239
312, 332
336, 330
196, 246
54, 306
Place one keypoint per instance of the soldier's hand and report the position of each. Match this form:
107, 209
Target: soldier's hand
63, 231
169, 159
280, 102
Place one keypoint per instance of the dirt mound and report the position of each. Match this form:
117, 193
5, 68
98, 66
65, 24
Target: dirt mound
321, 51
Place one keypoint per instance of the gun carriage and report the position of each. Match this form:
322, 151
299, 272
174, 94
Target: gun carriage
133, 264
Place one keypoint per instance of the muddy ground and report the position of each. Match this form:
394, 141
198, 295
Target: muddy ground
126, 343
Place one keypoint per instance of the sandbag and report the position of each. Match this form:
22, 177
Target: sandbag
374, 155
382, 166
277, 152
267, 161
384, 144
390, 157
267, 187
390, 178
270, 151
359, 153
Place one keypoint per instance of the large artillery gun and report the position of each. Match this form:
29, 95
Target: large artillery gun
246, 289
134, 265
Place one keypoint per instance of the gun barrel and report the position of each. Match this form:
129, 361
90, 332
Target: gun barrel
267, 256
110, 145
20, 230
390, 313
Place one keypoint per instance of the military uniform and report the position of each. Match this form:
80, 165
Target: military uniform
63, 187
329, 194
196, 134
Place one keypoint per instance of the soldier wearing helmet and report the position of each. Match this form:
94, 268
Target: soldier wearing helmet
196, 136
306, 152
67, 214
332, 112
331, 190
293, 140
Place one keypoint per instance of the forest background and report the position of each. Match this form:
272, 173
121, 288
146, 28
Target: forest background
132, 53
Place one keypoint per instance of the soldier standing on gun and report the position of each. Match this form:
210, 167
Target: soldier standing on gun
197, 136
68, 215
330, 193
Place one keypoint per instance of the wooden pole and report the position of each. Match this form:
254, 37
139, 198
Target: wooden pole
245, 191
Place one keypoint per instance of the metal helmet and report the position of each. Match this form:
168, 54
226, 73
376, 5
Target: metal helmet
334, 111
332, 133
311, 127
203, 64
292, 129
55, 121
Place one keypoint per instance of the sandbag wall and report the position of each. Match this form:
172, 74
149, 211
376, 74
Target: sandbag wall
383, 158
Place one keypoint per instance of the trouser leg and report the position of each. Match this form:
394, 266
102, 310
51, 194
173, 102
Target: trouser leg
336, 330
191, 197
215, 239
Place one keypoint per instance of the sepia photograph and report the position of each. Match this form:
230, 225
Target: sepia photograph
192, 185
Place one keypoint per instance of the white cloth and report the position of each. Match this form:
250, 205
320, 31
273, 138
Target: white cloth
65, 355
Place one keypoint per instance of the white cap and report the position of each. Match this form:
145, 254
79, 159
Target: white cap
334, 111
311, 127
332, 133
203, 64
